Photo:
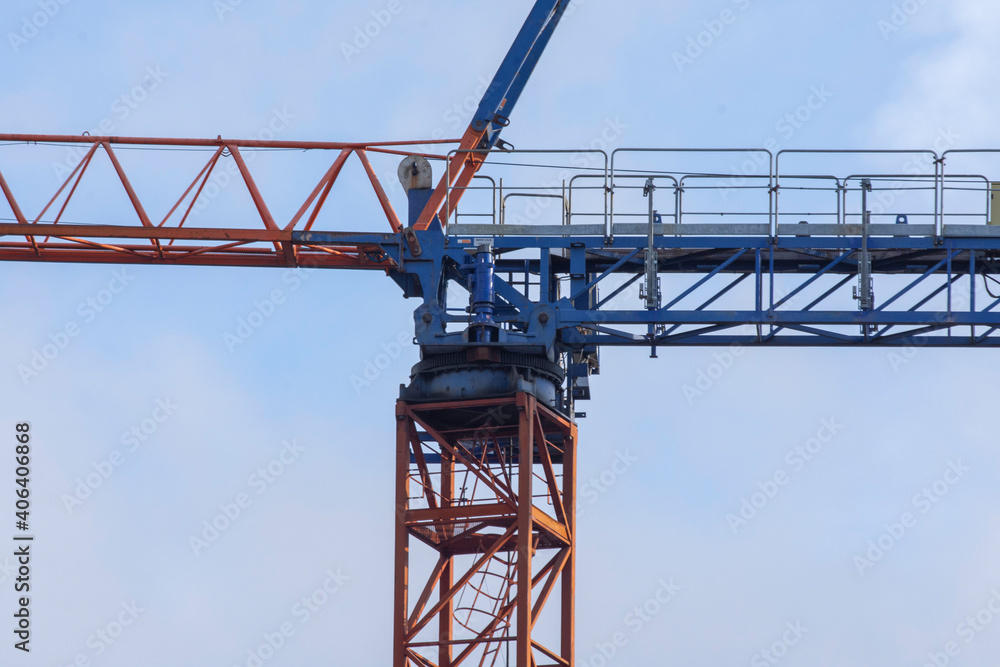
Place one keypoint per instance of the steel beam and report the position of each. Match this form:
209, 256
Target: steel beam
499, 558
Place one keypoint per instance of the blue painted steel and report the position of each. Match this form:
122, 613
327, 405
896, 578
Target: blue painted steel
566, 318
417, 199
483, 298
515, 70
566, 314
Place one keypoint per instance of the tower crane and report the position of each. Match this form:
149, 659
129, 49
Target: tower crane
486, 428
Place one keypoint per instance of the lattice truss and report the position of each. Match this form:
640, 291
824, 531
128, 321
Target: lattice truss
484, 489
834, 248
116, 200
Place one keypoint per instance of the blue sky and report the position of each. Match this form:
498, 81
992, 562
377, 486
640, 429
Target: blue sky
326, 519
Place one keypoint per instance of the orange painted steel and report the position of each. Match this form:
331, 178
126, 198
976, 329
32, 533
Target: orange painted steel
264, 242
487, 487
461, 169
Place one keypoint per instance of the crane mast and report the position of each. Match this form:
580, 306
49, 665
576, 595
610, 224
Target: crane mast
486, 428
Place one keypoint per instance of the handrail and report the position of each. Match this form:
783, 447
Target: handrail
455, 152
808, 202
750, 151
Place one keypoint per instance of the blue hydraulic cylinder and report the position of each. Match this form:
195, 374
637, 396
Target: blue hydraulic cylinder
483, 329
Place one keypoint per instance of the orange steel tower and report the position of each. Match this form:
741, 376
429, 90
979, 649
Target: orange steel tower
487, 487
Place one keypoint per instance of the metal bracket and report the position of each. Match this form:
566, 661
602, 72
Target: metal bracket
864, 293
412, 242
652, 289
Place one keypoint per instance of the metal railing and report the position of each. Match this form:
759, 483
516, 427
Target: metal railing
608, 194
558, 189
